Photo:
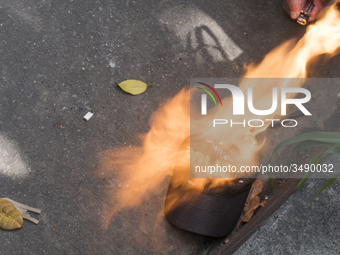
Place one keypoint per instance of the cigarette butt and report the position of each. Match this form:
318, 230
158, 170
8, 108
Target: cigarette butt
88, 116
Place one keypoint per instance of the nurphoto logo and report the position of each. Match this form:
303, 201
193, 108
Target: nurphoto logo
238, 103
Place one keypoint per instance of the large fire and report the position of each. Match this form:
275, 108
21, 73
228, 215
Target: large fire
145, 168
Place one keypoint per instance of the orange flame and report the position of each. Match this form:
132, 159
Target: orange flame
145, 168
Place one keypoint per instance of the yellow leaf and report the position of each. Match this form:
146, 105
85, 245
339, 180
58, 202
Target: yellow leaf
10, 217
133, 87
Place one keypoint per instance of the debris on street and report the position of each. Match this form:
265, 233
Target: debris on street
88, 116
23, 209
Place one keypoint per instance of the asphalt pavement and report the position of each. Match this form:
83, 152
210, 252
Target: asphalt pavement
61, 59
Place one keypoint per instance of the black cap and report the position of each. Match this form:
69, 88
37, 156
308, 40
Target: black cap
210, 210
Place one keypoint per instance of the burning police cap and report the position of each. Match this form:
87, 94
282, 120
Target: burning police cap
207, 209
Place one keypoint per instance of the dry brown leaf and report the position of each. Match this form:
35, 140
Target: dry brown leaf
251, 207
249, 210
256, 188
10, 217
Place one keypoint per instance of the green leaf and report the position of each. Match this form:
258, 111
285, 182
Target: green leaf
306, 145
270, 178
309, 140
329, 182
133, 87
329, 138
320, 136
333, 150
313, 161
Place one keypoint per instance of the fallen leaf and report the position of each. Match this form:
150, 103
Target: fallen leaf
249, 210
57, 124
133, 87
10, 217
256, 188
